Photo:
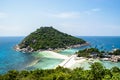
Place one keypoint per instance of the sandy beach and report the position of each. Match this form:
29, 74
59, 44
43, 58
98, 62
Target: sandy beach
71, 61
51, 54
68, 61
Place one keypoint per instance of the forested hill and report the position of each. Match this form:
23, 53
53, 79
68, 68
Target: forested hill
48, 38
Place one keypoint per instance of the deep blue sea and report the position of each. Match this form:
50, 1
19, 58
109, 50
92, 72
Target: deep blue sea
11, 59
106, 43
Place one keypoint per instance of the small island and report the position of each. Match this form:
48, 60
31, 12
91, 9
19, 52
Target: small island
48, 38
94, 53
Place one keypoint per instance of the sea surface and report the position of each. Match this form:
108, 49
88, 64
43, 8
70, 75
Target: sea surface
11, 59
106, 43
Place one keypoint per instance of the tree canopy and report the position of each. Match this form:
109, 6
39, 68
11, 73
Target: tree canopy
97, 72
116, 52
48, 37
90, 51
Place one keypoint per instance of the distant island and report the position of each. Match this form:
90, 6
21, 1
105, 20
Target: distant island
48, 38
89, 53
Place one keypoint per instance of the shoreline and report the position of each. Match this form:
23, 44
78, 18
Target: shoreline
68, 63
68, 60
30, 50
51, 54
73, 46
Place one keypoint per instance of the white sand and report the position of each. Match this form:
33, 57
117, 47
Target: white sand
69, 63
48, 54
51, 54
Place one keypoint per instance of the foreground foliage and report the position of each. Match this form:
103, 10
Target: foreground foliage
97, 72
49, 38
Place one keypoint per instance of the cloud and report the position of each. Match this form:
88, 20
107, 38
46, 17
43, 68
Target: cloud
67, 15
92, 11
95, 10
14, 30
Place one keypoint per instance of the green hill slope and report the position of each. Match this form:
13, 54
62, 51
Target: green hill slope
48, 38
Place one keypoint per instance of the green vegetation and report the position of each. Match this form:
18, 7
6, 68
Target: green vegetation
116, 52
90, 52
97, 72
49, 38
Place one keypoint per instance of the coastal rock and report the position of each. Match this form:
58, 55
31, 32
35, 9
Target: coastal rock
115, 58
28, 49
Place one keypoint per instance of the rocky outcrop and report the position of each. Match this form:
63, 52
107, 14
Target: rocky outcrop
115, 58
27, 49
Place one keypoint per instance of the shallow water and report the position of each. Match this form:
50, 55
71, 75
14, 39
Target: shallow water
86, 64
68, 51
46, 63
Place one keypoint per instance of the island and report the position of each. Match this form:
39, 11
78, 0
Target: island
48, 38
94, 53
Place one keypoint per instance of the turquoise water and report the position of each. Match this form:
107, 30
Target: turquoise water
46, 63
109, 64
86, 64
68, 51
10, 59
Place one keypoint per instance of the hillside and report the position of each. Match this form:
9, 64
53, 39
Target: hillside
48, 38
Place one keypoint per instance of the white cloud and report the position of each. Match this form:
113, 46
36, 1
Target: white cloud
95, 9
72, 14
12, 30
92, 11
67, 15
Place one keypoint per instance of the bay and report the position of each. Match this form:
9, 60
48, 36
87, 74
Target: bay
11, 59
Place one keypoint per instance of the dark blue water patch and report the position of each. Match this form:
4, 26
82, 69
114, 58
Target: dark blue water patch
103, 42
11, 59
106, 43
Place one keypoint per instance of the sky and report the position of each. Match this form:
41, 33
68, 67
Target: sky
74, 17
